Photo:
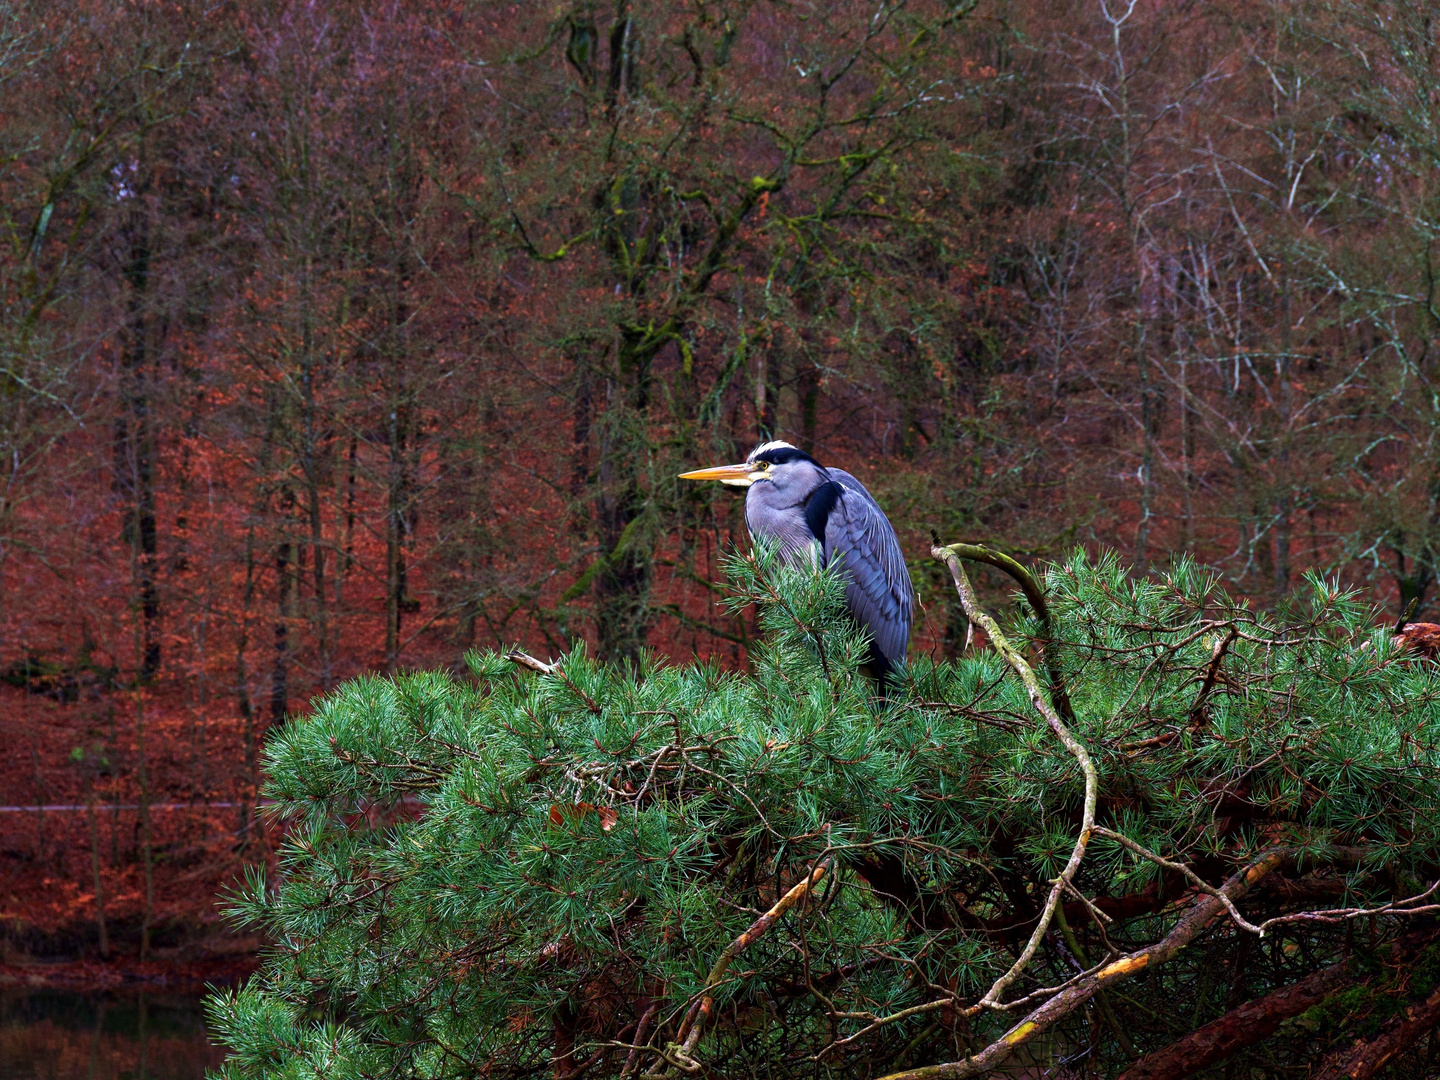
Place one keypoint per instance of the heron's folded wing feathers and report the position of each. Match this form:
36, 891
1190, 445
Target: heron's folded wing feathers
879, 593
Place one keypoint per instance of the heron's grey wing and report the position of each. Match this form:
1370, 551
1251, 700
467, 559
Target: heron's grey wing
879, 593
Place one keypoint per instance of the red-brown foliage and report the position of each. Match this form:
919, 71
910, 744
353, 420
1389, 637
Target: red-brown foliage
346, 337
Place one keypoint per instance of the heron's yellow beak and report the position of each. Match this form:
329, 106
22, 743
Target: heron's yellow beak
741, 475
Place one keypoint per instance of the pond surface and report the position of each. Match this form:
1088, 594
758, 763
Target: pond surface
53, 1035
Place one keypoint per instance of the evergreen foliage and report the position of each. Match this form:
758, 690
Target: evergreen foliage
517, 873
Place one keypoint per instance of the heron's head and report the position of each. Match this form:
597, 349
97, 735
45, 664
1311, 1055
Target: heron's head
778, 463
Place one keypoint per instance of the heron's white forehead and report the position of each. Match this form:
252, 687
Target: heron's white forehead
776, 445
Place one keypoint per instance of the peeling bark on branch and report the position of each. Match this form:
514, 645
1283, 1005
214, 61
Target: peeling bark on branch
1257, 1020
1240, 1027
1369, 1056
1199, 918
525, 660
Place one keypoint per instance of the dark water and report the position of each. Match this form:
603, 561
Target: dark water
49, 1035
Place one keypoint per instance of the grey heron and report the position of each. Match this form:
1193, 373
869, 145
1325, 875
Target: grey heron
810, 510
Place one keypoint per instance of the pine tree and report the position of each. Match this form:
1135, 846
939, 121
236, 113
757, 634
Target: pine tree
1214, 839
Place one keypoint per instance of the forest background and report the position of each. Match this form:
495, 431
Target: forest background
351, 336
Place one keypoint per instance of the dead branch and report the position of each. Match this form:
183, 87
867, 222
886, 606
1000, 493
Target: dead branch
998, 641
1240, 1027
1212, 673
1368, 1056
699, 1015
1421, 637
1081, 990
515, 656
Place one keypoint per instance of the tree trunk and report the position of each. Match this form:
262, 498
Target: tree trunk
1284, 501
135, 445
1187, 461
249, 733
285, 575
95, 868
135, 476
147, 852
42, 854
766, 390
1149, 422
311, 468
347, 549
622, 56
1413, 583
582, 414
394, 542
1260, 541
808, 387
400, 507
622, 585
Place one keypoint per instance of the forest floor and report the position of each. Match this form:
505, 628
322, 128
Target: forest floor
49, 936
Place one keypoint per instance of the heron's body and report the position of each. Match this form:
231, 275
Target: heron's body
814, 512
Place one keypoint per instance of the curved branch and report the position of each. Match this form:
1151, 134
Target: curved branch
1036, 597
951, 558
998, 559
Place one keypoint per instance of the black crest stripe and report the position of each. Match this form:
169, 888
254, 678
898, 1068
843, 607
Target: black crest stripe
819, 506
783, 455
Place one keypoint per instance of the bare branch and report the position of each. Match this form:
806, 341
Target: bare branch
1081, 990
1411, 905
693, 1027
951, 558
528, 661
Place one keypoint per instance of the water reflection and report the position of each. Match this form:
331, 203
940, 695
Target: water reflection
49, 1035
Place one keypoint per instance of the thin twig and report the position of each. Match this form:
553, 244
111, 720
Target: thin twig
1406, 906
515, 656
1189, 874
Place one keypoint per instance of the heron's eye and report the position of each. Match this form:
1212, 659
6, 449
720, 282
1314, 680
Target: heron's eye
763, 466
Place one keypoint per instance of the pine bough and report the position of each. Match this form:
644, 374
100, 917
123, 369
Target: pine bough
1145, 830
